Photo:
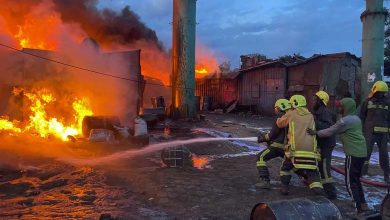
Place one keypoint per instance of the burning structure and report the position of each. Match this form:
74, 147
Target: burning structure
52, 77
48, 98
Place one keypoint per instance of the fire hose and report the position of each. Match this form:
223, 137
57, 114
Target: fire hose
363, 180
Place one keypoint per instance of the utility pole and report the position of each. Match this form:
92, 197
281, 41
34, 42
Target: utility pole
183, 57
373, 19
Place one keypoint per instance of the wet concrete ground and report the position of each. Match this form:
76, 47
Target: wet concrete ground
143, 188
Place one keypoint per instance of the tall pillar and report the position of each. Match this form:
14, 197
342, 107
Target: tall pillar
373, 19
183, 57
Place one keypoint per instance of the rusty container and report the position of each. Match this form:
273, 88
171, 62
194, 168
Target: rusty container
99, 122
319, 208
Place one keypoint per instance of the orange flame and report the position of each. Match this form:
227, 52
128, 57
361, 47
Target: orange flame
199, 161
206, 61
6, 125
201, 71
45, 126
38, 33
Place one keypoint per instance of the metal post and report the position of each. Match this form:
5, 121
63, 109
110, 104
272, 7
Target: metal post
373, 19
183, 57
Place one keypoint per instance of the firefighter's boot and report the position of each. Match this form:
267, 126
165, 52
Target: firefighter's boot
263, 183
284, 190
318, 191
386, 178
362, 208
330, 190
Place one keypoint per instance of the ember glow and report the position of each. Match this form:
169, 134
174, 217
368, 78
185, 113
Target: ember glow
40, 121
199, 161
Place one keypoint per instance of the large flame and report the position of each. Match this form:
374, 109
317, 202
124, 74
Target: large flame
41, 123
206, 61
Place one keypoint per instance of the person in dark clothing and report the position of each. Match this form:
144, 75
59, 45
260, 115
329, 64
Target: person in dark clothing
276, 140
350, 129
324, 118
374, 114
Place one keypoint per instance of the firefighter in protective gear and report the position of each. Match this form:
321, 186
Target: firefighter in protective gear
374, 114
324, 118
276, 140
301, 153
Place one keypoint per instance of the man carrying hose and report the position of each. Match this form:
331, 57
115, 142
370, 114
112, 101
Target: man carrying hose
277, 140
324, 118
350, 129
301, 153
374, 114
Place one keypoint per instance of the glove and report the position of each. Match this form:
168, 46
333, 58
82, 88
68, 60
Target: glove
311, 132
261, 139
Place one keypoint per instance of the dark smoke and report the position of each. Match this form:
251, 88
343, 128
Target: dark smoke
106, 26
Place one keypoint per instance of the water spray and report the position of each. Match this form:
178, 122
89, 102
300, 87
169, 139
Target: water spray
147, 150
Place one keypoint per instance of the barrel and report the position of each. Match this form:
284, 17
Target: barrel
296, 209
206, 103
154, 102
176, 157
160, 102
197, 103
99, 122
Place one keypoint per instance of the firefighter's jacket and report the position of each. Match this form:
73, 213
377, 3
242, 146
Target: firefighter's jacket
324, 119
374, 114
302, 147
277, 136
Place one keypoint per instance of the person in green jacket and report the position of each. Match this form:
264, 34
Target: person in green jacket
350, 129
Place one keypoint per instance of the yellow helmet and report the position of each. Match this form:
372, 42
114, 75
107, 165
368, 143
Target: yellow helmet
323, 96
379, 86
298, 101
283, 104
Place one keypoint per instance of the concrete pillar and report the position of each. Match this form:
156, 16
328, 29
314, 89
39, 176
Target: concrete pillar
183, 57
373, 19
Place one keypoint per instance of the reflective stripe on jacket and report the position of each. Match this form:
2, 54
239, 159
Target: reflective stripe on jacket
302, 147
374, 114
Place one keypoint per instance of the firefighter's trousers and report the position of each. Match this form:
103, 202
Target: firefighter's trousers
264, 156
324, 168
381, 139
311, 175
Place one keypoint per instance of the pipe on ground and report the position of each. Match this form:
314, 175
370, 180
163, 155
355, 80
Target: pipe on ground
363, 180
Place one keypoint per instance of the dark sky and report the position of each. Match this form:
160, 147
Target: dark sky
231, 28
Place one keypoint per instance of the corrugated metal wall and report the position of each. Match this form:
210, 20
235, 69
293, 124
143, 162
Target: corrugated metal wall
337, 75
262, 87
220, 91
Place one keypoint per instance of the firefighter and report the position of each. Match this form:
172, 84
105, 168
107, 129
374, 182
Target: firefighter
350, 129
324, 118
301, 153
277, 140
374, 114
